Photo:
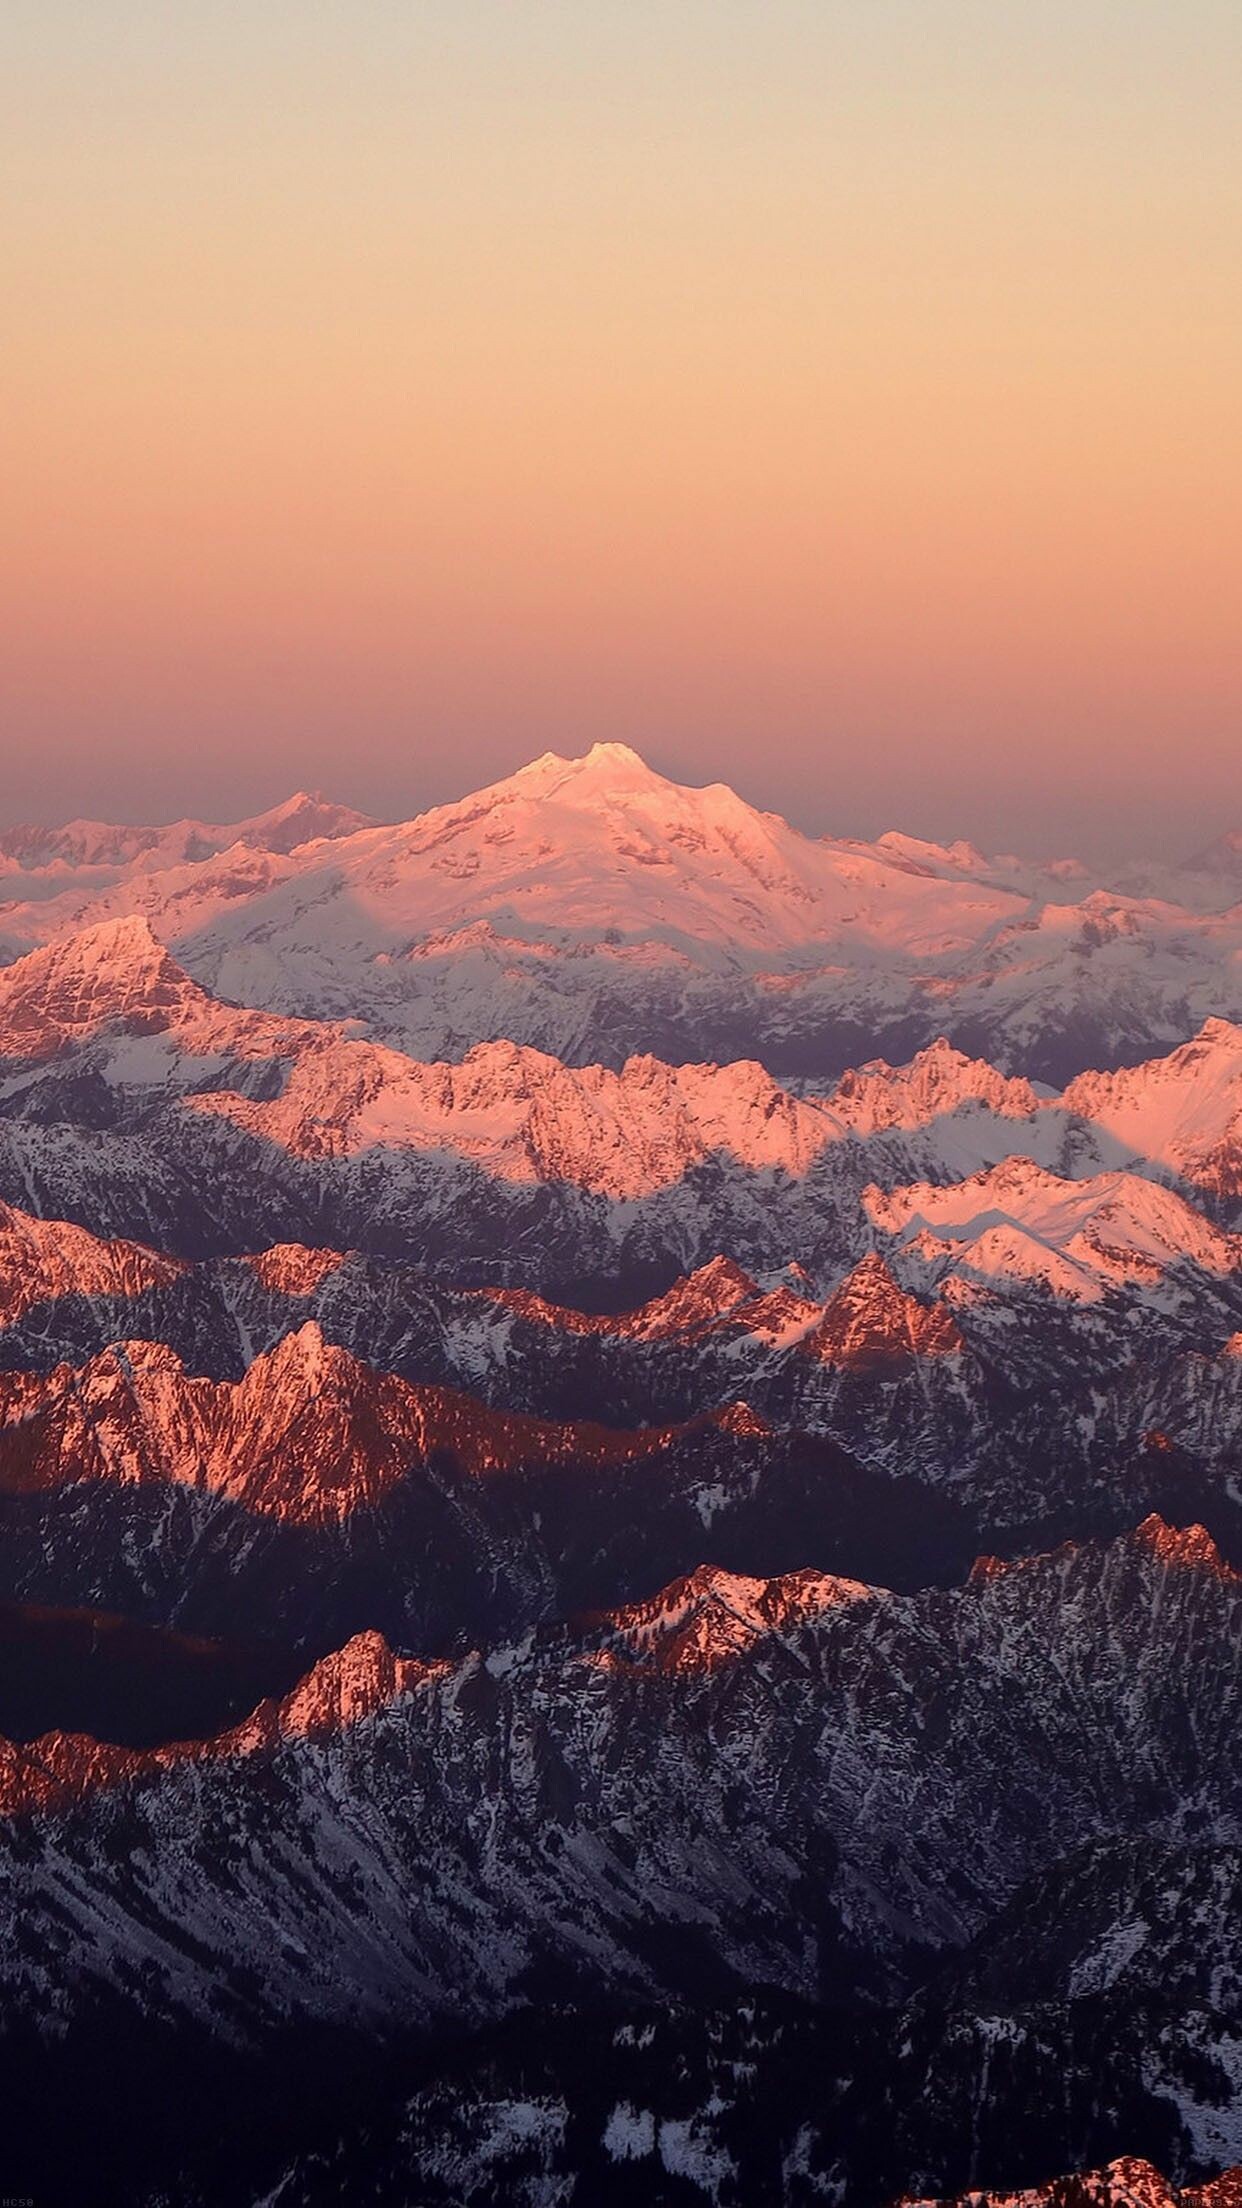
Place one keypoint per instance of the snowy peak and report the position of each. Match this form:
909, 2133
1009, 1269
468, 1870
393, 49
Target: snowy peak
1182, 1112
114, 974
868, 1323
937, 1082
711, 1617
610, 769
99, 848
524, 1116
115, 981
726, 1145
306, 817
522, 908
1017, 1222
1056, 880
871, 1324
601, 854
604, 847
961, 857
42, 1259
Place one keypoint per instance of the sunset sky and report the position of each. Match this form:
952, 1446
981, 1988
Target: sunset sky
837, 397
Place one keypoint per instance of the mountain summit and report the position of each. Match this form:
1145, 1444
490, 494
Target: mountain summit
595, 908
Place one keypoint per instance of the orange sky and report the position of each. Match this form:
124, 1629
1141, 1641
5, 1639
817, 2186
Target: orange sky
838, 398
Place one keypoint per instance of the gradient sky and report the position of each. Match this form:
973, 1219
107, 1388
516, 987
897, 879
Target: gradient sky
838, 397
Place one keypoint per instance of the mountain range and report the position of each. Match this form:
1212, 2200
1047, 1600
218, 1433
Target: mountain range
736, 1781
620, 1511
591, 908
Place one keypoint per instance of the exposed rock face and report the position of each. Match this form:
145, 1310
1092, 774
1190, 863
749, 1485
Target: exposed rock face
42, 1260
290, 1269
870, 1324
61, 1770
315, 1495
1125, 2183
308, 1435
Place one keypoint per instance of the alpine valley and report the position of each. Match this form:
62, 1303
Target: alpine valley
620, 1512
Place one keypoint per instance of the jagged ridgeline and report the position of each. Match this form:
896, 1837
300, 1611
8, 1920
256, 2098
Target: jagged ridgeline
620, 1502
592, 908
737, 1784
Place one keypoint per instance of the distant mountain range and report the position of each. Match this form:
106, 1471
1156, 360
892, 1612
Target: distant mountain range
592, 909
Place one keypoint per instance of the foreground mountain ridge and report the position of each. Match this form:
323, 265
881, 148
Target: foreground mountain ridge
738, 1791
1125, 2183
707, 1619
800, 1635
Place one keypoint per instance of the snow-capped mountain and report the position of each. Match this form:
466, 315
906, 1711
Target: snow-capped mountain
88, 857
920, 1260
601, 849
591, 908
1181, 1114
1016, 1222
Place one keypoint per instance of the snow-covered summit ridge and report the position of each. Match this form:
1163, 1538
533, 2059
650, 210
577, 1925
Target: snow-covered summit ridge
113, 1003
1081, 1238
98, 847
521, 908
604, 846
